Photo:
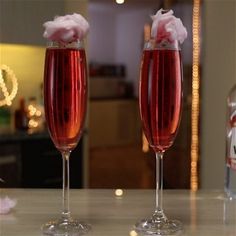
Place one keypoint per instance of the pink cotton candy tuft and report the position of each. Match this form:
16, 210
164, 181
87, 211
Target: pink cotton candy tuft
166, 26
66, 29
6, 204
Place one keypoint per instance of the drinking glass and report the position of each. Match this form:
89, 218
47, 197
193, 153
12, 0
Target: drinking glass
65, 99
160, 103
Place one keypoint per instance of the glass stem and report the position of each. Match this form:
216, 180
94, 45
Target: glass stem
159, 183
66, 185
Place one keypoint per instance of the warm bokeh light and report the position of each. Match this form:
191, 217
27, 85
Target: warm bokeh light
120, 1
147, 32
34, 115
7, 96
33, 123
119, 192
145, 146
195, 96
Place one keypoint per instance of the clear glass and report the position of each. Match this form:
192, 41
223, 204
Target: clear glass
65, 99
230, 175
160, 103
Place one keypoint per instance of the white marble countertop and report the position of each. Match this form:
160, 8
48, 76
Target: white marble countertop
203, 213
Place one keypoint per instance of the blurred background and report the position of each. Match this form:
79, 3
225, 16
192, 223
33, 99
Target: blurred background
112, 152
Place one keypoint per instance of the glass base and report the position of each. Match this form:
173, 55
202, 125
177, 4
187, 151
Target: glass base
65, 227
158, 226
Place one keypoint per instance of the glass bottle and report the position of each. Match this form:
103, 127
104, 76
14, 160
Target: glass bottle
230, 180
21, 120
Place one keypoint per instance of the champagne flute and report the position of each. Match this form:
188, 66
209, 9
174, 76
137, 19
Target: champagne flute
160, 103
65, 99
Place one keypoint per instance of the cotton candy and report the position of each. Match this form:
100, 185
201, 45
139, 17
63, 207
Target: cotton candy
167, 27
66, 29
6, 204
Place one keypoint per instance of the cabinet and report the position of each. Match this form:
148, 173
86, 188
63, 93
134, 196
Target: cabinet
32, 161
10, 165
116, 159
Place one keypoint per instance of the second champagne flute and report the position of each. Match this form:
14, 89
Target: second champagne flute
160, 103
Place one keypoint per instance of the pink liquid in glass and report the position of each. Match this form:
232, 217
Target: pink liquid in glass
65, 95
160, 98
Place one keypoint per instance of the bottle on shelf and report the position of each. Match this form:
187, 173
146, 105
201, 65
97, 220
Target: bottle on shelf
21, 120
230, 180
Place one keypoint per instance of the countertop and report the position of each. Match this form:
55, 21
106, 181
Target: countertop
202, 213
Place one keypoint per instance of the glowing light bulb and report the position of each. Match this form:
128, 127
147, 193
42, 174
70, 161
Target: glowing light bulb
119, 192
120, 1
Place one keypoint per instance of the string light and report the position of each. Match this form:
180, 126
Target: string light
34, 114
147, 36
8, 97
147, 32
194, 182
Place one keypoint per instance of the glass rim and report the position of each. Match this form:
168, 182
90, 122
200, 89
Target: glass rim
57, 44
152, 44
